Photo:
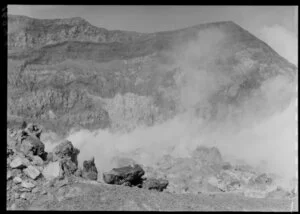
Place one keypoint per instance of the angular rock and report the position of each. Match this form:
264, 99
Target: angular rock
65, 150
155, 184
17, 180
129, 174
36, 160
32, 172
78, 173
52, 170
27, 185
24, 190
40, 168
32, 145
68, 167
35, 190
19, 163
33, 129
89, 170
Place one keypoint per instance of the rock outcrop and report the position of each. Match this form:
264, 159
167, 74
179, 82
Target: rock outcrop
128, 175
132, 175
64, 157
65, 150
89, 170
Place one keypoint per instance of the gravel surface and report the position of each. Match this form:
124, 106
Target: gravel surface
92, 196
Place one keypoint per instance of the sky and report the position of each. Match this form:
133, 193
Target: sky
272, 24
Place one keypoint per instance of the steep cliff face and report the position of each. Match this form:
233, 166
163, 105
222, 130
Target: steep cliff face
68, 72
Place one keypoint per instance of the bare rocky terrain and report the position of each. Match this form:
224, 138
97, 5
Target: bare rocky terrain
37, 180
66, 74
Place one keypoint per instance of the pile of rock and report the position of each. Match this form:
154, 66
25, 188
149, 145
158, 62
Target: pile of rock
25, 154
32, 171
132, 175
62, 161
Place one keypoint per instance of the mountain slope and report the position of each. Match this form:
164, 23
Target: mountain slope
67, 73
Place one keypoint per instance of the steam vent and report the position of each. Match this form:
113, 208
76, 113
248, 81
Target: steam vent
144, 109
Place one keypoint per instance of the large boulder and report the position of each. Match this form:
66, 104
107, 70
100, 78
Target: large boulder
32, 145
66, 154
128, 175
32, 172
89, 170
155, 184
19, 163
68, 167
65, 150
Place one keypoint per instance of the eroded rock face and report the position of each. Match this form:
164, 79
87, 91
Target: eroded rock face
129, 175
89, 170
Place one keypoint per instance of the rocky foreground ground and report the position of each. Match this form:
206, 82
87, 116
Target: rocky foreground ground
37, 180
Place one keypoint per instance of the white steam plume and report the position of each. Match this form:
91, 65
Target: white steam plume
271, 139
